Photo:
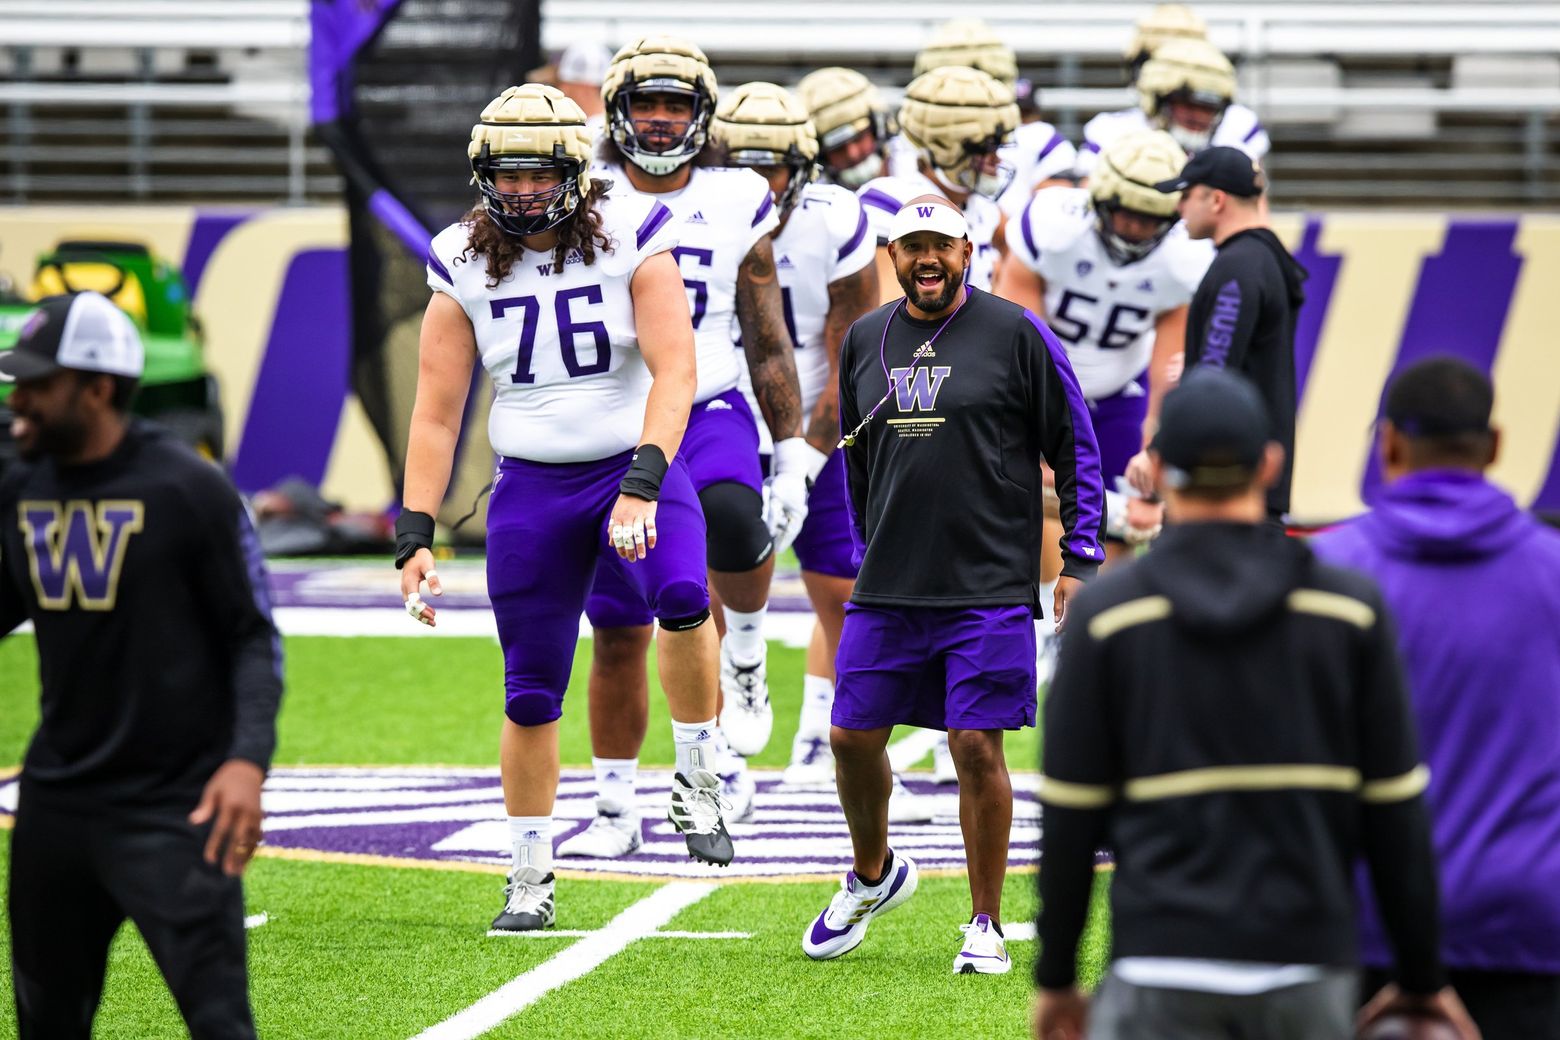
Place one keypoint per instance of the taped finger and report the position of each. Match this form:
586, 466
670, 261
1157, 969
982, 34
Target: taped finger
650, 531
415, 606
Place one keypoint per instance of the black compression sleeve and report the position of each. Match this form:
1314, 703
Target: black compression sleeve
645, 472
413, 531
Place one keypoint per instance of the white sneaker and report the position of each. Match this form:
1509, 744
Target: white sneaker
842, 926
812, 762
943, 770
985, 952
696, 813
738, 786
612, 834
905, 806
747, 719
528, 902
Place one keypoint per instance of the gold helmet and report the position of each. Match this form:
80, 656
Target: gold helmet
1124, 179
659, 65
762, 124
1193, 71
531, 127
845, 105
955, 116
1164, 23
973, 44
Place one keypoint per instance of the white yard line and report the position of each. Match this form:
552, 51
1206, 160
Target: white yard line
792, 630
256, 920
639, 921
907, 751
566, 933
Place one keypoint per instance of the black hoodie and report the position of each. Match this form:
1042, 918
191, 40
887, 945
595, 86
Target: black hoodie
1229, 717
1242, 317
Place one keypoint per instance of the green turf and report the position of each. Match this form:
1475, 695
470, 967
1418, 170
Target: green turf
399, 701
375, 952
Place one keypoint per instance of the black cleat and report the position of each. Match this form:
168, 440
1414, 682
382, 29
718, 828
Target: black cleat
528, 902
696, 812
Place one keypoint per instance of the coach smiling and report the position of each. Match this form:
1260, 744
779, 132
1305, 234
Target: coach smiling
948, 399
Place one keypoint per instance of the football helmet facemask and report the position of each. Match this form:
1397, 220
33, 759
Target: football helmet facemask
659, 65
1124, 179
531, 127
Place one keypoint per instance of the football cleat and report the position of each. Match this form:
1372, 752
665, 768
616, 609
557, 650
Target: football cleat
812, 762
747, 718
696, 813
843, 924
738, 787
905, 806
528, 902
985, 952
943, 769
612, 834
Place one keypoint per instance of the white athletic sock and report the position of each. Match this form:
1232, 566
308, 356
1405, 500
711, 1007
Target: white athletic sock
615, 780
695, 744
530, 840
817, 706
745, 635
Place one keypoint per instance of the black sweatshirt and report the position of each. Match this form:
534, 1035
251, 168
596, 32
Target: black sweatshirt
1229, 717
1242, 317
143, 578
944, 482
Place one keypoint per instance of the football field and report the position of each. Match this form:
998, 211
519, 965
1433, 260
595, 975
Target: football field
384, 859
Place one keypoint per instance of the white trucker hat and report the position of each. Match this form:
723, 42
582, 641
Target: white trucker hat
82, 331
922, 215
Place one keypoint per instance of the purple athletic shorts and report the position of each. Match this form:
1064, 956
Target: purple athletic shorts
824, 546
547, 540
1118, 427
721, 446
937, 668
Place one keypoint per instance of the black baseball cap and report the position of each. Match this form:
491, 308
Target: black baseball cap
81, 331
1439, 397
1213, 429
1225, 168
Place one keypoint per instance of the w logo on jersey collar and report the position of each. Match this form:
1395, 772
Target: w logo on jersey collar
75, 555
918, 393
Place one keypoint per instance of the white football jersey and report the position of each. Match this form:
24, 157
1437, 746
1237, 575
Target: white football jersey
1103, 312
1037, 152
560, 346
883, 197
716, 218
826, 238
1240, 128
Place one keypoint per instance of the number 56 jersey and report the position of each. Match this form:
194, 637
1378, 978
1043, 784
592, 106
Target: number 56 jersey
1102, 311
560, 345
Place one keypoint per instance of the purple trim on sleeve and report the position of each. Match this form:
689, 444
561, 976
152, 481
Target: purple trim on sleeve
1029, 234
764, 208
437, 267
1088, 478
855, 239
657, 219
1090, 146
1253, 132
881, 199
1056, 139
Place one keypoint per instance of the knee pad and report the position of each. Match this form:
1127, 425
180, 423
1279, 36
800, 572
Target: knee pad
686, 624
532, 707
737, 538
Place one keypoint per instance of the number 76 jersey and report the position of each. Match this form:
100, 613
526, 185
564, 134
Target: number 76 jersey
561, 346
1102, 311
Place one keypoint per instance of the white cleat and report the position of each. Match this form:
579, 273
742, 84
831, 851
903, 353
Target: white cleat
528, 903
747, 718
985, 952
696, 811
812, 762
943, 771
905, 806
614, 833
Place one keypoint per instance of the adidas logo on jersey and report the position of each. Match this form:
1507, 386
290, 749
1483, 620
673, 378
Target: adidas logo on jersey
697, 218
1146, 285
717, 405
784, 263
574, 257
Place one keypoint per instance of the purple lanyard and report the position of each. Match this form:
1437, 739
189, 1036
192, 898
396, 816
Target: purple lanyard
920, 352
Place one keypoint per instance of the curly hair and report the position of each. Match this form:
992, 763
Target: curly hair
581, 231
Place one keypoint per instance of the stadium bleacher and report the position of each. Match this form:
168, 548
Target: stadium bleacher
1437, 103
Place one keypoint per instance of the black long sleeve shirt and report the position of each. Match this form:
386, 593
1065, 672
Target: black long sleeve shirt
944, 482
1229, 717
1242, 318
143, 578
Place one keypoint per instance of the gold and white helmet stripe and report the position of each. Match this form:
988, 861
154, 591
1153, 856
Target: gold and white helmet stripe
971, 43
953, 113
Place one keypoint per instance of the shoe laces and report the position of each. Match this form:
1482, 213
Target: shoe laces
852, 902
983, 940
698, 806
523, 896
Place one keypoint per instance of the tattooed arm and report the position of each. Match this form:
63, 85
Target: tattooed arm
849, 298
770, 354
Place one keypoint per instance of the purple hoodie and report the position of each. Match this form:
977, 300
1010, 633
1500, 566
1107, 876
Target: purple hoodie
1474, 583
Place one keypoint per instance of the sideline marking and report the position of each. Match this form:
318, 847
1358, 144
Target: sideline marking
576, 933
640, 921
256, 920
